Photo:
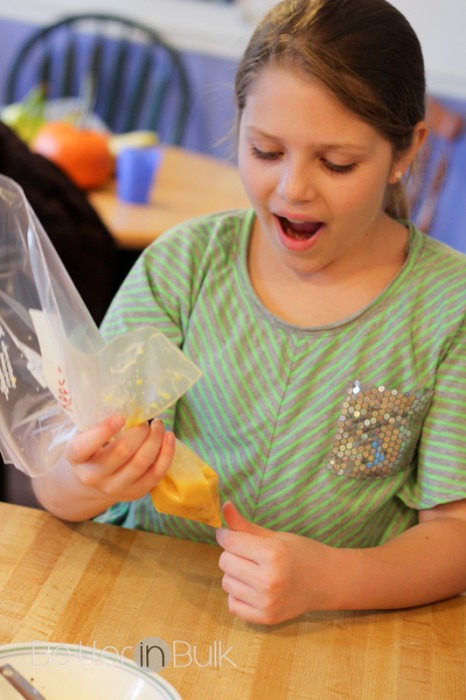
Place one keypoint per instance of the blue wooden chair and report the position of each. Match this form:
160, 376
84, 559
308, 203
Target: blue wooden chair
124, 71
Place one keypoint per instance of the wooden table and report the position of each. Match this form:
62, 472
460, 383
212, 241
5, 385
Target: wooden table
104, 586
188, 185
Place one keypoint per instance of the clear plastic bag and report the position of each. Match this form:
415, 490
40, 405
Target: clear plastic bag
57, 374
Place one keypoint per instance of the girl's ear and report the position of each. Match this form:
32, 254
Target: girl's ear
420, 133
402, 163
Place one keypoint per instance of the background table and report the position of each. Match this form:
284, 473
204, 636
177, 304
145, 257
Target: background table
188, 185
104, 586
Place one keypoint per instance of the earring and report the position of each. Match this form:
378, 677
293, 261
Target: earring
398, 175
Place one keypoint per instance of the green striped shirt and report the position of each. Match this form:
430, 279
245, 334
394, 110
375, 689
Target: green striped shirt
339, 432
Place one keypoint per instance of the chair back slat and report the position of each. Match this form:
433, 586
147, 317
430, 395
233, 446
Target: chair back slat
113, 94
140, 81
93, 75
138, 93
66, 85
96, 58
44, 72
161, 89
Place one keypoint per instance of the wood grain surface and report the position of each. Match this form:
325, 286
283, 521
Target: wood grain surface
104, 586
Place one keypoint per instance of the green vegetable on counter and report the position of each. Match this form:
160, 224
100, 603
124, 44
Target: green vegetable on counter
26, 117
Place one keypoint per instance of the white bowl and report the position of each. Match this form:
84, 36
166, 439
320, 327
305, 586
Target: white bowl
75, 672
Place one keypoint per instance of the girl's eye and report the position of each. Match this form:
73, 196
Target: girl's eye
340, 169
264, 155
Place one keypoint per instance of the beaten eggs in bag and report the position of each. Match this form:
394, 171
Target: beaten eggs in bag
189, 489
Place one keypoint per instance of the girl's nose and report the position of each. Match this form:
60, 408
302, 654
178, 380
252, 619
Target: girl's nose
295, 184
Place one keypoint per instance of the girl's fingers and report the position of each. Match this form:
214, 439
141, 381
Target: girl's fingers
241, 590
124, 465
130, 478
165, 456
96, 448
238, 566
245, 611
152, 458
137, 447
84, 445
134, 483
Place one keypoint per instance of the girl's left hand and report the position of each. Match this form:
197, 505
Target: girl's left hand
271, 576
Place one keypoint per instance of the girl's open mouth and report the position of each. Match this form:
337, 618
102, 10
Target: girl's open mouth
298, 234
299, 230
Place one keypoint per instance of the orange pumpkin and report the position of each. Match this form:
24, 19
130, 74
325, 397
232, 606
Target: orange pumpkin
83, 154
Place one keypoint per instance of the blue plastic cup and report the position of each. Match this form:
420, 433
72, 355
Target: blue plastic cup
136, 172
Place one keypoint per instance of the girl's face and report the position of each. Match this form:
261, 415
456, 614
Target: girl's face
316, 173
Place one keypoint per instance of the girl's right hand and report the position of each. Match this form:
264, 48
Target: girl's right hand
121, 466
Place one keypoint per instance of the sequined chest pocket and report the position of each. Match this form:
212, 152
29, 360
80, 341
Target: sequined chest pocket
378, 429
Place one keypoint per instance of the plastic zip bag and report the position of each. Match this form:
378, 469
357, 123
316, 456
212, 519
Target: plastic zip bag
57, 374
56, 371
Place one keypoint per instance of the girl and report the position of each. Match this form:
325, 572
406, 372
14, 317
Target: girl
330, 331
